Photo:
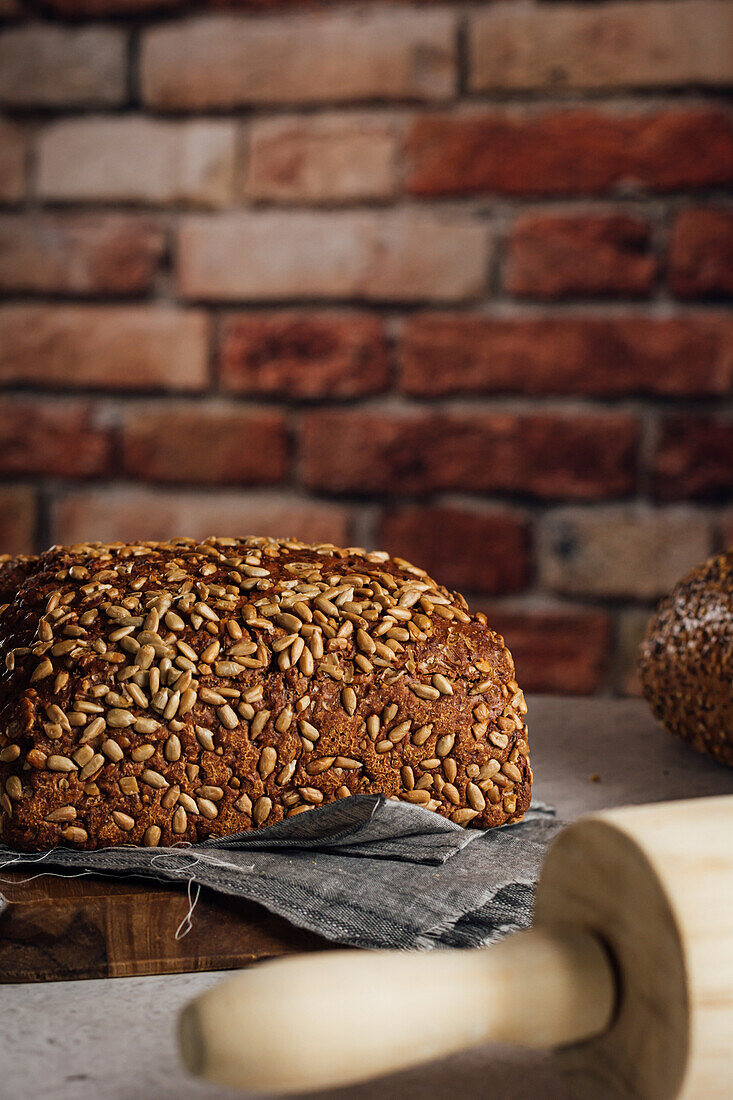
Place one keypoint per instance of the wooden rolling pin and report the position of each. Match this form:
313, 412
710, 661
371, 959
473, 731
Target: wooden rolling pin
628, 970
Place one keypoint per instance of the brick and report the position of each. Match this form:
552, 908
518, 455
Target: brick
701, 254
12, 162
557, 650
304, 355
694, 458
587, 256
619, 550
336, 255
58, 438
17, 520
597, 356
569, 152
632, 623
647, 44
468, 550
46, 66
107, 347
322, 158
132, 513
192, 443
135, 159
226, 61
78, 254
540, 454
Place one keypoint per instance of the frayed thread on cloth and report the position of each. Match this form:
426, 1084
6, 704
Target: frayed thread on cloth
364, 872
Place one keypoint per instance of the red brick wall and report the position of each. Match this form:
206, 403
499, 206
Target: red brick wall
451, 278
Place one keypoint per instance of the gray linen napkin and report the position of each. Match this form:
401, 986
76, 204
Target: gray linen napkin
365, 871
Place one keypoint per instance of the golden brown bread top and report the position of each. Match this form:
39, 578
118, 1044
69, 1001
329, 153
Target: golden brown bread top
268, 674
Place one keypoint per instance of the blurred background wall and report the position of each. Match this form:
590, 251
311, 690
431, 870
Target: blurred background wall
446, 278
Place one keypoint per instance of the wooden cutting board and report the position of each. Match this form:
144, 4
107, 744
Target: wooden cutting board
57, 929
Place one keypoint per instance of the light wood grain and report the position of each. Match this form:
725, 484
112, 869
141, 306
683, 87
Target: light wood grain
629, 970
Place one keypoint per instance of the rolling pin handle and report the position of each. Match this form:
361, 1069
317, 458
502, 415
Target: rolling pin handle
331, 1019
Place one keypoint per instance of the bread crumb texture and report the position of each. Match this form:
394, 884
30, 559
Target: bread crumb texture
153, 693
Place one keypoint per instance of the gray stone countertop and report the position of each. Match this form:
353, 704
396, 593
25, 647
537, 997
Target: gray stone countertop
114, 1039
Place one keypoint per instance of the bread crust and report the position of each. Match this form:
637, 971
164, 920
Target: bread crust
155, 693
686, 659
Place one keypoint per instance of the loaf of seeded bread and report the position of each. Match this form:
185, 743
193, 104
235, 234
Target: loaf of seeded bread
155, 693
686, 659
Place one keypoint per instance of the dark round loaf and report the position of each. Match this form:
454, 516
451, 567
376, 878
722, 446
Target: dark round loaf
156, 693
686, 659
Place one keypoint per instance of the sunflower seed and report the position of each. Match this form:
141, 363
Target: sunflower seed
205, 738
364, 642
462, 817
83, 754
75, 834
308, 730
60, 764
227, 717
284, 719
64, 813
420, 736
424, 691
420, 798
112, 750
445, 744
154, 779
56, 714
92, 767
451, 793
120, 719
373, 726
348, 763
316, 767
206, 695
172, 749
142, 752
475, 797
261, 810
207, 808
348, 699
397, 733
311, 795
268, 761
286, 774
450, 769
13, 787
